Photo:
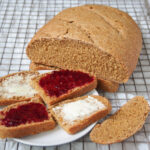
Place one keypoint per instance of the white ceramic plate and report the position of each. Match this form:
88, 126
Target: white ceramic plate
57, 136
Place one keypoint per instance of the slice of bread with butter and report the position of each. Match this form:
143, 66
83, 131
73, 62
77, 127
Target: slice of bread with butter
75, 114
16, 87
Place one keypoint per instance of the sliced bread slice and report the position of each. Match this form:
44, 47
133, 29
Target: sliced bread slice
60, 85
104, 85
16, 87
75, 114
107, 86
35, 67
123, 124
25, 118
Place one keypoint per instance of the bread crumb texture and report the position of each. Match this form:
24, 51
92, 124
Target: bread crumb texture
123, 124
99, 39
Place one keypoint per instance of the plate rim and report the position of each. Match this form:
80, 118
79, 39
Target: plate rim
61, 143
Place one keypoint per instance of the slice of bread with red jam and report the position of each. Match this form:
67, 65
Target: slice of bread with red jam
25, 118
104, 85
63, 84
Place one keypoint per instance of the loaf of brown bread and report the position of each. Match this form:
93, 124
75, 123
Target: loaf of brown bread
123, 124
104, 85
102, 40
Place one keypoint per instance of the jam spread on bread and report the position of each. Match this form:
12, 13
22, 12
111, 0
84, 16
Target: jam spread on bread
27, 113
60, 82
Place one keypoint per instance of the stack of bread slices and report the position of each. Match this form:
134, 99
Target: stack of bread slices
86, 47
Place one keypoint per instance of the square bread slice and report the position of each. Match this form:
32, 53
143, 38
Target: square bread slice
25, 118
16, 87
75, 114
104, 85
63, 84
124, 123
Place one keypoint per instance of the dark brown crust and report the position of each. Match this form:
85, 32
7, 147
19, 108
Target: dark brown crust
133, 130
27, 129
79, 125
71, 93
104, 85
107, 86
8, 101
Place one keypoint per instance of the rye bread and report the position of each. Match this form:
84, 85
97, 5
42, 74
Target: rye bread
81, 123
124, 123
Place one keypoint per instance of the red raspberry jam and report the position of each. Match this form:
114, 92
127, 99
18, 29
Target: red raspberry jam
27, 113
60, 82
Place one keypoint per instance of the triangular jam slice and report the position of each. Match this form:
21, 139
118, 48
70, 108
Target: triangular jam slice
60, 85
25, 118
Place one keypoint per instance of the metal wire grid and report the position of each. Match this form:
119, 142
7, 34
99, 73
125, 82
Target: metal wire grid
19, 20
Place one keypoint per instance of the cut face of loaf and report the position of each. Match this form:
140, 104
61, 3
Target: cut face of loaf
104, 85
16, 87
75, 114
25, 118
63, 84
123, 124
102, 40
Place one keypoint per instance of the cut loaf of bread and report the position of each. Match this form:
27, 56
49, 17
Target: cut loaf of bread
29, 128
75, 114
16, 87
104, 85
71, 93
100, 39
124, 123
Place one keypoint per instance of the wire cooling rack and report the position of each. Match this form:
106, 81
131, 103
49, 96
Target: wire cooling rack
20, 19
